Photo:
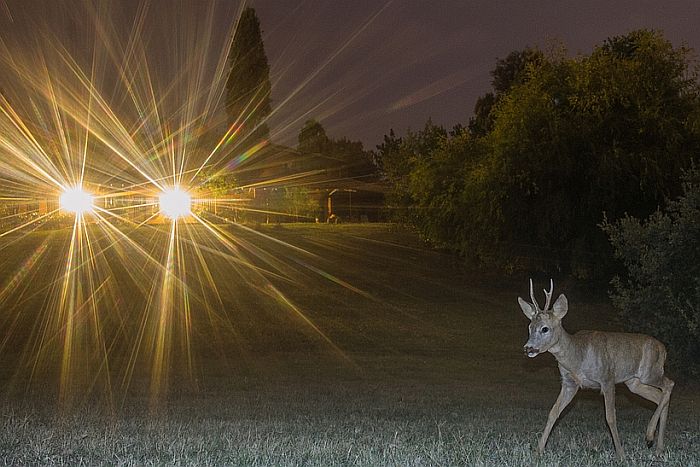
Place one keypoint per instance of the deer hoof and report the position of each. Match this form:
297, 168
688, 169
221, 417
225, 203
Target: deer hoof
650, 443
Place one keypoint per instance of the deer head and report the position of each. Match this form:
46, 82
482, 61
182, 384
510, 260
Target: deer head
545, 324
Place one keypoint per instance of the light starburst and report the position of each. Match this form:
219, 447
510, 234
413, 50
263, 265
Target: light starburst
125, 293
175, 203
76, 200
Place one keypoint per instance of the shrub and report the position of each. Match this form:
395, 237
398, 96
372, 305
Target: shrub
660, 293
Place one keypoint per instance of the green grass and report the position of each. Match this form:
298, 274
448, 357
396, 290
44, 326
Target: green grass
424, 364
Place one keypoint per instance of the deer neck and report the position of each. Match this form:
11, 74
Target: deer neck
564, 350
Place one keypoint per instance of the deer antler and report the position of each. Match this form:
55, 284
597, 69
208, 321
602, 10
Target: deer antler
548, 294
532, 297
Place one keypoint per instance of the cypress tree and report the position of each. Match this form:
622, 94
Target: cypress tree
248, 84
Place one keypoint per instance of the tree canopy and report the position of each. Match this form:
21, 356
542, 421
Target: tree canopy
511, 71
558, 144
312, 137
342, 158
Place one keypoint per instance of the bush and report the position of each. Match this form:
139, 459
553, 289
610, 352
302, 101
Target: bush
660, 294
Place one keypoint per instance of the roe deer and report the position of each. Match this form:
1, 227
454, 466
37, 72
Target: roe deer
599, 360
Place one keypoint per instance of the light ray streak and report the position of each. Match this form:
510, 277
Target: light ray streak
236, 257
186, 336
237, 125
131, 207
230, 133
24, 270
113, 121
230, 242
287, 178
67, 302
330, 59
275, 240
17, 122
276, 213
88, 257
281, 298
26, 224
335, 279
161, 347
216, 92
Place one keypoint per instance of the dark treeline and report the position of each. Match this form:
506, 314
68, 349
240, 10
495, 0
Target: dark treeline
343, 158
580, 166
557, 147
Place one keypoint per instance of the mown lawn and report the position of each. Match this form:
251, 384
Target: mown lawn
322, 345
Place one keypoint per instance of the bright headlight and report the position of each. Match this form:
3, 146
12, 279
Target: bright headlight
175, 203
76, 200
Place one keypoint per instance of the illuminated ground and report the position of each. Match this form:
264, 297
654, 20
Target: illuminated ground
349, 345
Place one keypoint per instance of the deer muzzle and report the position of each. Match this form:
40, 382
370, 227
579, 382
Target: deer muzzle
530, 351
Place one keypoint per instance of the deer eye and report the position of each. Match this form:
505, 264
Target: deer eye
544, 330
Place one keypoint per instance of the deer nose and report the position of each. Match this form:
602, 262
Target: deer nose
530, 351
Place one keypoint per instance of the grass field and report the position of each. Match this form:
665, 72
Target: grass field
329, 345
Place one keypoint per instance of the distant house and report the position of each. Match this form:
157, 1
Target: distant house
276, 170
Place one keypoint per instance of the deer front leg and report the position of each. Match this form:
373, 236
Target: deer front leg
567, 393
609, 395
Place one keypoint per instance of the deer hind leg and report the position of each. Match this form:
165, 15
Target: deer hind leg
650, 393
661, 413
610, 416
567, 393
663, 407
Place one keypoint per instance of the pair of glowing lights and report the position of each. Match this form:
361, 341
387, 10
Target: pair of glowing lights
174, 202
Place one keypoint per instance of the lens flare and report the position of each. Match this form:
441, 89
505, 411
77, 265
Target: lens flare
124, 300
77, 201
175, 203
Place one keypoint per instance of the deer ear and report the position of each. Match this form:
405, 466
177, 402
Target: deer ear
561, 306
529, 310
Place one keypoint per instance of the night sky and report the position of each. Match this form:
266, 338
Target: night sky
363, 67
421, 59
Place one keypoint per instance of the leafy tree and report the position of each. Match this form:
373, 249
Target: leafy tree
482, 121
312, 138
398, 158
389, 146
299, 203
511, 71
353, 162
341, 157
532, 163
660, 294
248, 85
443, 206
564, 141
515, 69
289, 204
605, 133
216, 186
638, 98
